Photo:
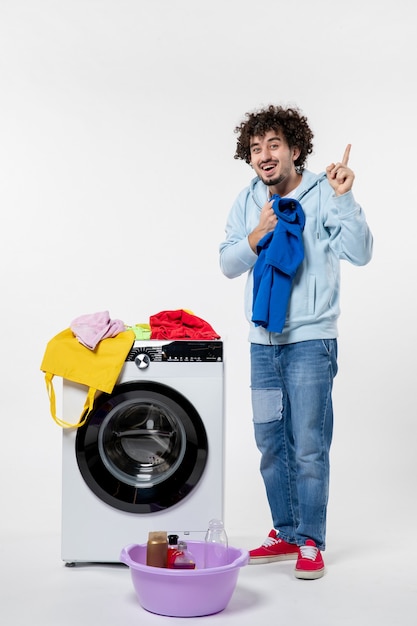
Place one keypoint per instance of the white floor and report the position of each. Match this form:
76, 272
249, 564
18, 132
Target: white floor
372, 583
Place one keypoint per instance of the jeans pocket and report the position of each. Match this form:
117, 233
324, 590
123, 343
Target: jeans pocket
330, 346
327, 345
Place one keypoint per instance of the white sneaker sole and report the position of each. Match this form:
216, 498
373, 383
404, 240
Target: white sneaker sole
259, 560
306, 575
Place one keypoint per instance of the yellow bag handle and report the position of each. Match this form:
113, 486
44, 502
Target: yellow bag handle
88, 405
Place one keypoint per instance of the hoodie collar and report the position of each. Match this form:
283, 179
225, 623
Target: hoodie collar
259, 191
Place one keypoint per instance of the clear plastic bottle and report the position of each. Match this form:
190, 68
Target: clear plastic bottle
216, 545
183, 558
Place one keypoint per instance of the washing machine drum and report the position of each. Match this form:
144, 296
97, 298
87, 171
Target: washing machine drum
143, 448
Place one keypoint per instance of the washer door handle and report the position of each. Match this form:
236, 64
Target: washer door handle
142, 360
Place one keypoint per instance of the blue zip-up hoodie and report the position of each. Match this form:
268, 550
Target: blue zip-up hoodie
280, 252
335, 229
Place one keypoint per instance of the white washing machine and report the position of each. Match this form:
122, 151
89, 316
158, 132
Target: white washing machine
151, 454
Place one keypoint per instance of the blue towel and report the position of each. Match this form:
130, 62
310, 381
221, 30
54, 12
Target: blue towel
280, 253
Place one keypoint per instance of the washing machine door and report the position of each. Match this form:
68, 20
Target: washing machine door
143, 448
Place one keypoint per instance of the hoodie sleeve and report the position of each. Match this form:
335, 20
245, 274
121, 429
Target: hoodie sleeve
236, 255
350, 236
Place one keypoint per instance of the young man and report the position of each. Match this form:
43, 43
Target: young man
289, 230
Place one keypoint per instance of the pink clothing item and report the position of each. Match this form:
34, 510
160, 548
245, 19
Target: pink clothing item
180, 324
90, 329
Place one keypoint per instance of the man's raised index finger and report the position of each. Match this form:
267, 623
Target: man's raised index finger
346, 154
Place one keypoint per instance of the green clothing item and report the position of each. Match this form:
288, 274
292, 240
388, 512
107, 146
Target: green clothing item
142, 331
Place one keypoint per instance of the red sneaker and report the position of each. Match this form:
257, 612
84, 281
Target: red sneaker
310, 564
273, 549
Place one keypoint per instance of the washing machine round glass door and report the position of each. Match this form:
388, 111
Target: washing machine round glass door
143, 448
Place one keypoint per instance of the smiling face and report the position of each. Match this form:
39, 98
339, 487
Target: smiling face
273, 161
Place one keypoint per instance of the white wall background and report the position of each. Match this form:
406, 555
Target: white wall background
116, 176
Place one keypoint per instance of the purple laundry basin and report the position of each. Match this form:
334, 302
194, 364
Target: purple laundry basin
184, 593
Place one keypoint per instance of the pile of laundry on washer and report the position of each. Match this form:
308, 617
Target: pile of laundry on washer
93, 349
178, 324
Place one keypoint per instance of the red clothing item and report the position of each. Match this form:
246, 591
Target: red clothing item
180, 325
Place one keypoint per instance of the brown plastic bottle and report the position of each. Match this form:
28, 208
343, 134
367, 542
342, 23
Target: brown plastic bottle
157, 548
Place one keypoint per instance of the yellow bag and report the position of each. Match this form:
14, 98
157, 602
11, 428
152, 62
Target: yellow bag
98, 370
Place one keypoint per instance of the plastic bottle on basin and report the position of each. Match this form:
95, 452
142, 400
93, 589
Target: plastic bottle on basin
172, 549
157, 549
183, 558
216, 545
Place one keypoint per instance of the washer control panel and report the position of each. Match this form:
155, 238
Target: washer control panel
176, 352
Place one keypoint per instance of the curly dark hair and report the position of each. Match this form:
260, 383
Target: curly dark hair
290, 122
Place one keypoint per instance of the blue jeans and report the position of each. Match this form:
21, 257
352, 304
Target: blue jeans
293, 423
